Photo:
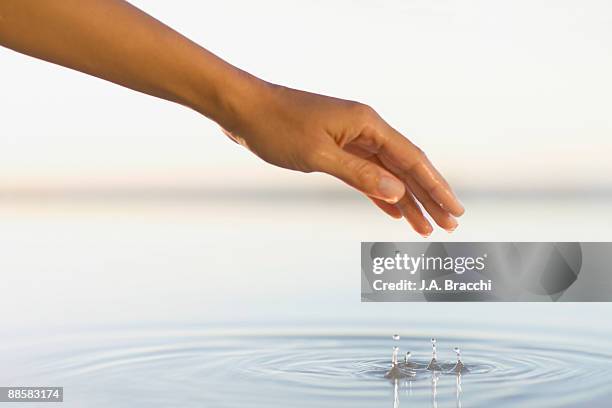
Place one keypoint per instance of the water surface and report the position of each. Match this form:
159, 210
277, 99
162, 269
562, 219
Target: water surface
256, 304
201, 367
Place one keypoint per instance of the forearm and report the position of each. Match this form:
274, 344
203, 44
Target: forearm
115, 41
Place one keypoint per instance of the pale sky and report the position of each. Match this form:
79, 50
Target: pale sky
497, 93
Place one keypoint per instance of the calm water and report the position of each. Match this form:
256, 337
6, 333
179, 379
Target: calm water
134, 305
206, 367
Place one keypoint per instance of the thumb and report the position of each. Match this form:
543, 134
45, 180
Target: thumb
362, 174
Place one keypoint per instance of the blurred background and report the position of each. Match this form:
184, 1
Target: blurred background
118, 208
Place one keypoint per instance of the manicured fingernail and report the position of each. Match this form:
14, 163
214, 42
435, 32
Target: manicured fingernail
460, 209
427, 232
452, 224
391, 189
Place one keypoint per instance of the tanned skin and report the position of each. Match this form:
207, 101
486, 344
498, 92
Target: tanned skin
297, 130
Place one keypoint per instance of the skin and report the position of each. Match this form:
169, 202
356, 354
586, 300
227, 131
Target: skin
115, 41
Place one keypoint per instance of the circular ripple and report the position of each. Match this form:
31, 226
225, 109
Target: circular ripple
327, 370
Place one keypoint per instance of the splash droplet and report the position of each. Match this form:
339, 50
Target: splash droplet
407, 356
458, 351
394, 356
396, 337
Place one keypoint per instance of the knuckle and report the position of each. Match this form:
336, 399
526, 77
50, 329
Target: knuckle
314, 156
419, 152
366, 175
363, 112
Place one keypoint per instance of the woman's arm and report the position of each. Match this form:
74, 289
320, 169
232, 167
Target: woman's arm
113, 40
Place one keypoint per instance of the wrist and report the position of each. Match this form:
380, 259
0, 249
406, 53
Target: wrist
227, 95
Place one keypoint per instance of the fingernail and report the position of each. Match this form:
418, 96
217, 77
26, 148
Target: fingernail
427, 232
391, 189
461, 209
458, 207
453, 225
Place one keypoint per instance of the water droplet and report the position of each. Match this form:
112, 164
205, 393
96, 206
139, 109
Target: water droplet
458, 351
396, 337
407, 357
433, 347
394, 355
433, 341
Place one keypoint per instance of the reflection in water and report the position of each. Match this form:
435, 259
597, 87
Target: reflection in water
458, 389
435, 378
395, 393
434, 389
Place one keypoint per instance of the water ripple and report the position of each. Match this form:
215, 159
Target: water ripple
332, 370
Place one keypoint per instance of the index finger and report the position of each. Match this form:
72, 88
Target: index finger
405, 159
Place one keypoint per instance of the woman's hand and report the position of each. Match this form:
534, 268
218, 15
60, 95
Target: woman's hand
292, 129
349, 140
